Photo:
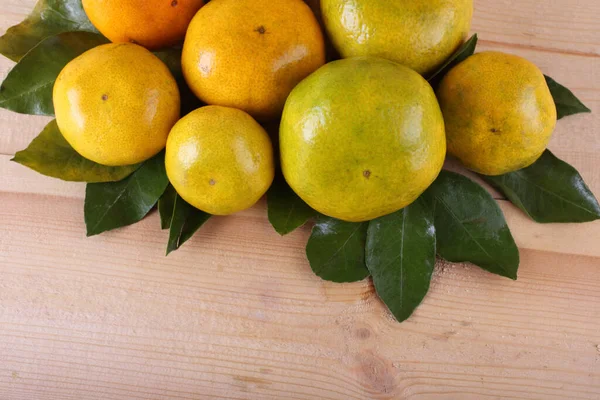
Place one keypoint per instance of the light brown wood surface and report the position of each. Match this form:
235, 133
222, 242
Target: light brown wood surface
237, 313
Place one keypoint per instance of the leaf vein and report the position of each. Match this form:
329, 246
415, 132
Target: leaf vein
519, 174
287, 219
117, 198
468, 232
31, 90
343, 245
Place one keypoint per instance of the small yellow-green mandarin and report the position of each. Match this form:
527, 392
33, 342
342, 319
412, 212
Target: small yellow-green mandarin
499, 112
220, 160
115, 104
420, 34
361, 138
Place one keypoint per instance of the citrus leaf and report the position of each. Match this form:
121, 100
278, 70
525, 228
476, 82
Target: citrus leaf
172, 59
550, 190
285, 209
166, 204
566, 102
51, 155
401, 257
336, 250
185, 223
117, 204
28, 87
48, 18
189, 101
470, 227
465, 51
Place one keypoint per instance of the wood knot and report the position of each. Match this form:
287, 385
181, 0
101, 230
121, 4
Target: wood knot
376, 373
363, 333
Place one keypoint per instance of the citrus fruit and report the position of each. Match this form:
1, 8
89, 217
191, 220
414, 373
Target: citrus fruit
361, 138
250, 54
220, 160
115, 104
150, 23
499, 112
420, 34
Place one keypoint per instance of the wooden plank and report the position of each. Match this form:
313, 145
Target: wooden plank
15, 178
576, 239
237, 313
110, 318
562, 27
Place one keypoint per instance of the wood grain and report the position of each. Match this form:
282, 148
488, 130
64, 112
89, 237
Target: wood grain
237, 313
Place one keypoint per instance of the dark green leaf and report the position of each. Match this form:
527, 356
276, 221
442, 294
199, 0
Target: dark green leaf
172, 59
566, 102
51, 155
48, 18
166, 205
189, 101
550, 190
28, 87
185, 222
470, 226
401, 257
336, 250
286, 210
117, 204
465, 51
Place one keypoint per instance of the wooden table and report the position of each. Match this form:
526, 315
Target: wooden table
237, 313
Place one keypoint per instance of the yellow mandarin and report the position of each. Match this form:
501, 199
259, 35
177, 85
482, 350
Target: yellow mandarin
361, 138
220, 160
420, 34
150, 23
115, 104
250, 54
499, 112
